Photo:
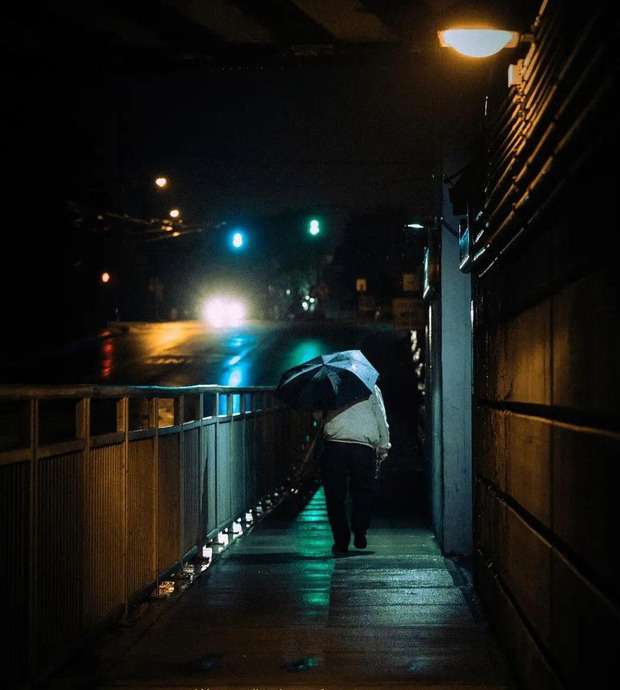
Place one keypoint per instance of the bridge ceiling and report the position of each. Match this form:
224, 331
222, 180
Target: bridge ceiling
170, 32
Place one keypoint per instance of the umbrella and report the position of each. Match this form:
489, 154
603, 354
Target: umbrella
328, 382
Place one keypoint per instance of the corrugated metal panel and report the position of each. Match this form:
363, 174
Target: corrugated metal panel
223, 476
548, 125
269, 450
140, 514
238, 490
210, 453
251, 460
262, 434
192, 489
168, 503
103, 534
60, 554
14, 512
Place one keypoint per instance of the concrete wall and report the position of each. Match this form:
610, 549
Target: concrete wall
455, 536
448, 404
547, 408
547, 466
433, 434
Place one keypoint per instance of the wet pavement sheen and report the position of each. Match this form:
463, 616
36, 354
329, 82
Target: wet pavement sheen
278, 610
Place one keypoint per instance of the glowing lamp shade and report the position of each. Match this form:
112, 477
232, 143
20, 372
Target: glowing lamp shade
478, 42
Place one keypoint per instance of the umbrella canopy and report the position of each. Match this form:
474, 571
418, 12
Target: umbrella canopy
328, 382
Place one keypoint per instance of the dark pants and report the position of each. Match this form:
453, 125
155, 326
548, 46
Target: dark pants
352, 466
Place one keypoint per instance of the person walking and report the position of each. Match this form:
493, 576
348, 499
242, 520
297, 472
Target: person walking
356, 440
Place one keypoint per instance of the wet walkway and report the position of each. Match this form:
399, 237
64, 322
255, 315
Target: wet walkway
277, 610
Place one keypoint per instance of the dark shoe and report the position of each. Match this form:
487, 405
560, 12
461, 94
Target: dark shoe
337, 551
360, 541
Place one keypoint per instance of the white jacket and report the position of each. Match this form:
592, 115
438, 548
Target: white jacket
362, 422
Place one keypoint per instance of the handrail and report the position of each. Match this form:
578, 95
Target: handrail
100, 502
47, 391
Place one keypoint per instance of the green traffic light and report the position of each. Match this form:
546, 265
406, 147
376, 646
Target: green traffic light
314, 227
237, 240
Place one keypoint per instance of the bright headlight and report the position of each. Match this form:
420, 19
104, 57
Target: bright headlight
221, 312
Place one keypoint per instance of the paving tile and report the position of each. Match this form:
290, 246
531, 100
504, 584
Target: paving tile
278, 611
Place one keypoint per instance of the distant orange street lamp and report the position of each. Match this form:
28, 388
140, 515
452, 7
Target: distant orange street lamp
175, 213
105, 277
161, 182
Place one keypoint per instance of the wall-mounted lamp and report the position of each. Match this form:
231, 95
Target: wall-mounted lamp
477, 32
479, 42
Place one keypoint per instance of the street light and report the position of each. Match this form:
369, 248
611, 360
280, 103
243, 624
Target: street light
479, 33
161, 182
175, 213
478, 42
478, 36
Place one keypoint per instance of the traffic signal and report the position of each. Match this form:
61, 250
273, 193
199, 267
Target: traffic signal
314, 228
237, 239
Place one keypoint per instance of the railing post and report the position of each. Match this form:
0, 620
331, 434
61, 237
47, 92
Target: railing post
230, 408
122, 424
200, 502
258, 422
180, 414
82, 430
244, 455
154, 423
216, 468
33, 546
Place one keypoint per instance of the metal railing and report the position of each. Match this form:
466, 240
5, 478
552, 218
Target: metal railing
106, 490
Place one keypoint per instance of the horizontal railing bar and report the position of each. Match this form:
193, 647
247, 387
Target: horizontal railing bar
42, 392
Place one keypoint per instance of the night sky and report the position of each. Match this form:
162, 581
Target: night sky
236, 144
245, 142
259, 141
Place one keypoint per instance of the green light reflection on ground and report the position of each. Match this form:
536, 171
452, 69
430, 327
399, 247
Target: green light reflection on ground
317, 536
316, 598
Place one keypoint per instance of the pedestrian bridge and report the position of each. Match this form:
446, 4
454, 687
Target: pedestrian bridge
174, 537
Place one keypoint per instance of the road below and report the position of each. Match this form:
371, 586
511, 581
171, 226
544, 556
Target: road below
255, 354
190, 353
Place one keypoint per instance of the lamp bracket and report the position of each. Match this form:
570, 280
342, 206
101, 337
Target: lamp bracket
449, 228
